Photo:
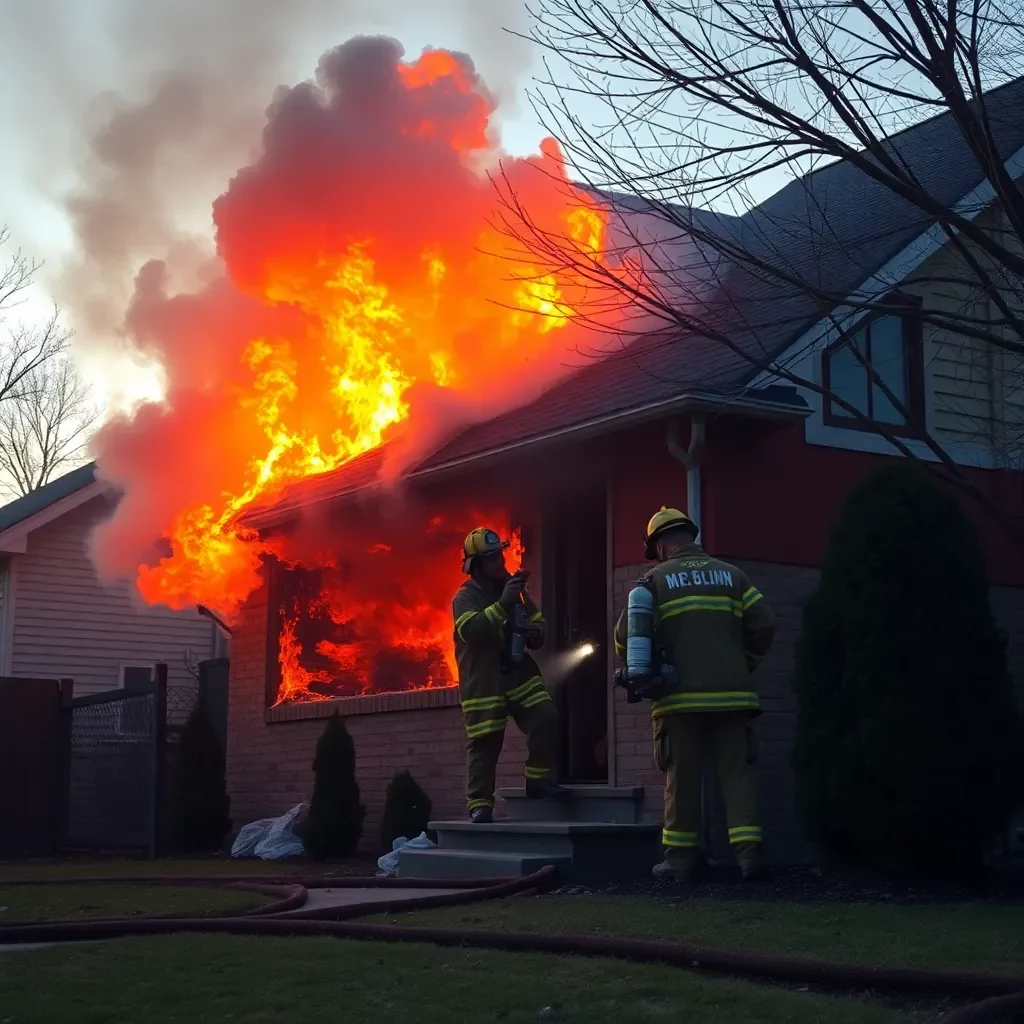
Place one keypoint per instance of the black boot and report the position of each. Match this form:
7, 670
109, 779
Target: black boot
752, 868
537, 789
481, 816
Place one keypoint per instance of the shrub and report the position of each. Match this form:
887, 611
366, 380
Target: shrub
907, 743
199, 798
406, 809
334, 824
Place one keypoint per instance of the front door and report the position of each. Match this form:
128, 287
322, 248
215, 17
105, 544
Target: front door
575, 580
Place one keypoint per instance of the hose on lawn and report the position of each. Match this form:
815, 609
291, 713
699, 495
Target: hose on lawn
1002, 996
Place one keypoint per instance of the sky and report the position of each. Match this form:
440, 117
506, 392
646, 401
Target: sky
68, 63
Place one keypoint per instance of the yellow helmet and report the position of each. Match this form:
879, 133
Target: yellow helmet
481, 541
662, 520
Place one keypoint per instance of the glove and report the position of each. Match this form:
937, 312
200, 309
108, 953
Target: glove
514, 586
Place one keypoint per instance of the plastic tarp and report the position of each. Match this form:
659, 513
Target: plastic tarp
388, 864
270, 838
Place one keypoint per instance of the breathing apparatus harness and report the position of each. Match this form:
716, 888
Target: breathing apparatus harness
648, 673
514, 647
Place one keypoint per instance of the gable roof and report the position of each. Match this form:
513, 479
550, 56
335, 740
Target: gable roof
39, 500
833, 228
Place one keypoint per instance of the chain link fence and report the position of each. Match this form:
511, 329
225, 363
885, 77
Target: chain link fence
111, 770
117, 767
95, 772
123, 747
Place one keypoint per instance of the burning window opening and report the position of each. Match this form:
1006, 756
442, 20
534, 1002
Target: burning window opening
378, 619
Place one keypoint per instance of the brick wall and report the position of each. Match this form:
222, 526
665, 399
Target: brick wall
1008, 605
269, 765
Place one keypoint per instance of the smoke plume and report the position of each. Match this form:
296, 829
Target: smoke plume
155, 104
360, 292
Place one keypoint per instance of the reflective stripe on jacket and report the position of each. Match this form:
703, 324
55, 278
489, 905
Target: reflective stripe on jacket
484, 691
717, 628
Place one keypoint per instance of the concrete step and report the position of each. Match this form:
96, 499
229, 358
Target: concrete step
474, 864
597, 851
585, 803
554, 837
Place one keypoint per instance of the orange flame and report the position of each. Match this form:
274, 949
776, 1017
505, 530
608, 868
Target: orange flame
410, 284
414, 630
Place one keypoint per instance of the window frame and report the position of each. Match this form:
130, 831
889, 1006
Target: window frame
131, 665
908, 309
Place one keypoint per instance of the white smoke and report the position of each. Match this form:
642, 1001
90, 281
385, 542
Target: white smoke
132, 116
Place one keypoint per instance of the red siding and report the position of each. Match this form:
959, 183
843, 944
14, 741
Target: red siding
644, 477
771, 496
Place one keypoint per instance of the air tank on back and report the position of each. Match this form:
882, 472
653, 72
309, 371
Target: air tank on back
639, 633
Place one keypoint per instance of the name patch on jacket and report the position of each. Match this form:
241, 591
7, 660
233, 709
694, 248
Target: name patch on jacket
698, 578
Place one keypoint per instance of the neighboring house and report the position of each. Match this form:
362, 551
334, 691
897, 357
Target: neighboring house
685, 422
57, 620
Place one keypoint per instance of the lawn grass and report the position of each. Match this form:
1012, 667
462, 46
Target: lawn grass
964, 936
22, 903
255, 980
183, 868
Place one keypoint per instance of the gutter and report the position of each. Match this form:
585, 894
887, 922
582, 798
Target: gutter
693, 403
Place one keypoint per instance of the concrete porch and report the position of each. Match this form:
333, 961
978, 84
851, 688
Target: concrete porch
595, 834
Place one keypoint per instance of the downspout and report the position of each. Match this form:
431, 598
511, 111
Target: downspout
690, 457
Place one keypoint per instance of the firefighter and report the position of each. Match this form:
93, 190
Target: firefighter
489, 693
715, 627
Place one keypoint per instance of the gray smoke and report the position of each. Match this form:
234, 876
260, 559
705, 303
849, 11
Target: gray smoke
133, 115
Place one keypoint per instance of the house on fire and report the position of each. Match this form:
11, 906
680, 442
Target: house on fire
762, 466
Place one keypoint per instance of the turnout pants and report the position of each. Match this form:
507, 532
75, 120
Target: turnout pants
533, 711
682, 742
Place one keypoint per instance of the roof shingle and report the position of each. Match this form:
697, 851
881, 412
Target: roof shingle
29, 504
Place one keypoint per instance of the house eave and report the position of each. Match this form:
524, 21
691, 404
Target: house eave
14, 539
747, 405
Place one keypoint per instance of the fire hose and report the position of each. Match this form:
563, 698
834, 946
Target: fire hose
1002, 997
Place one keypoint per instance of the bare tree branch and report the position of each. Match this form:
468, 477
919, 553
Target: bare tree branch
23, 348
45, 429
702, 106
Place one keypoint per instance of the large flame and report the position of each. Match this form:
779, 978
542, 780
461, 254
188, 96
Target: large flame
361, 263
380, 621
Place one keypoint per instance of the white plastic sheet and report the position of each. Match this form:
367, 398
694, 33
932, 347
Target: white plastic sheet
388, 864
270, 838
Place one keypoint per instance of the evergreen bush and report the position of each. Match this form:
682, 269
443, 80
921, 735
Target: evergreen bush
406, 809
334, 823
908, 740
199, 797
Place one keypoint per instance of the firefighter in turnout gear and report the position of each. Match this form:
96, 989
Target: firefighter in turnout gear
496, 620
714, 628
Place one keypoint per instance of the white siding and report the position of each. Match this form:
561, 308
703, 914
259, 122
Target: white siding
973, 388
5, 583
66, 624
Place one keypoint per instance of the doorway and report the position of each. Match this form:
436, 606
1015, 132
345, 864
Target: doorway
575, 582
